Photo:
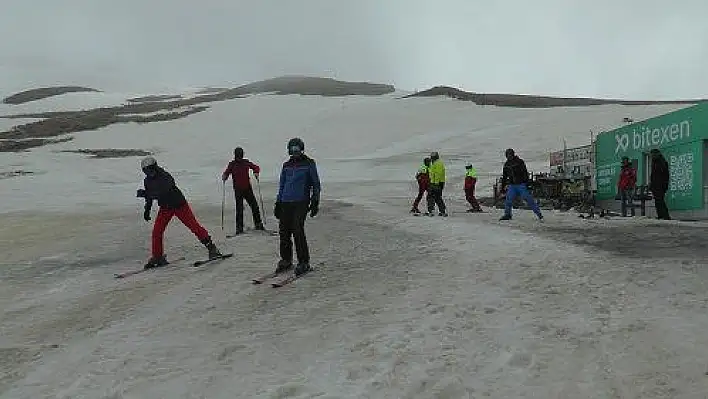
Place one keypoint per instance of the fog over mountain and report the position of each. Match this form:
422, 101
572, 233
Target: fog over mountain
630, 49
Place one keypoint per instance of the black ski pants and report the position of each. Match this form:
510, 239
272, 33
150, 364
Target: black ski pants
246, 194
662, 211
292, 223
435, 197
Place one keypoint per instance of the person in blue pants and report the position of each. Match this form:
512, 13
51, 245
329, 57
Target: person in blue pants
516, 178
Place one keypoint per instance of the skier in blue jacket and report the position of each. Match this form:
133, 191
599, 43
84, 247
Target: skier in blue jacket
298, 193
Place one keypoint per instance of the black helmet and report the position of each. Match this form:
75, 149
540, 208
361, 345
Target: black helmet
238, 153
509, 152
296, 146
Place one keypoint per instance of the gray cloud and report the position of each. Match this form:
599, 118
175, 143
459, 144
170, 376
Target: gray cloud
647, 49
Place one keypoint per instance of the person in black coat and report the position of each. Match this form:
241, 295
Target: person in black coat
659, 183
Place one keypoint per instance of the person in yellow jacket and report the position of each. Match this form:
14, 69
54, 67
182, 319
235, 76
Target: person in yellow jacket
436, 173
470, 183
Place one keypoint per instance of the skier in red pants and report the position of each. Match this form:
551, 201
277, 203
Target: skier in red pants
470, 183
423, 183
159, 185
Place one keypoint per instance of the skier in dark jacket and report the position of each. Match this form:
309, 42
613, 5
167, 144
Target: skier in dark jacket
159, 185
516, 178
238, 170
298, 193
659, 183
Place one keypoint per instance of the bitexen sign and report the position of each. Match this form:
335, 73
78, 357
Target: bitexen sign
647, 138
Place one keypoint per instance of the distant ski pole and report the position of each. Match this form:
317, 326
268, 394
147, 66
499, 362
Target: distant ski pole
258, 184
223, 203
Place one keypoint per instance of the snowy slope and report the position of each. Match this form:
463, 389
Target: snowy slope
399, 307
354, 139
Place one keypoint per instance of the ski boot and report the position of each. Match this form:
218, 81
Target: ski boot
443, 214
156, 262
505, 217
213, 250
239, 231
302, 268
283, 266
259, 226
415, 211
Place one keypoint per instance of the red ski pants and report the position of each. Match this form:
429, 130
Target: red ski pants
469, 196
164, 215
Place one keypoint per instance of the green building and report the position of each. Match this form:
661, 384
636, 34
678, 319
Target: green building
681, 136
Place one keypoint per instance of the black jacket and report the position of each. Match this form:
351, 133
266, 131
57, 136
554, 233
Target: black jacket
659, 178
515, 171
162, 188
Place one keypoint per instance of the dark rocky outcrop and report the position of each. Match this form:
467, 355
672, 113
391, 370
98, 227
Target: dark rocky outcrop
531, 101
43, 92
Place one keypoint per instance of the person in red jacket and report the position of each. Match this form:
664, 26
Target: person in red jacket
626, 185
470, 183
423, 183
238, 170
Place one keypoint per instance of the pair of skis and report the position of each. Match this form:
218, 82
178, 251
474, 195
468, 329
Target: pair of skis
194, 264
289, 277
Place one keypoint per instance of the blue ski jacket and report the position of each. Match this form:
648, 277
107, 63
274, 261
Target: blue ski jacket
299, 180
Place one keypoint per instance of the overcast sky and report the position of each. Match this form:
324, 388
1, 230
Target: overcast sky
642, 49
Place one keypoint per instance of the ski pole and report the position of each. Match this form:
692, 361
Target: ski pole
223, 200
258, 184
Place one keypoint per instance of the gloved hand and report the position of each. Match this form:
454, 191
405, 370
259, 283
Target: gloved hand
277, 210
256, 176
314, 207
141, 193
146, 215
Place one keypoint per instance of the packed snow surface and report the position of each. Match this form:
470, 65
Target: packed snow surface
397, 307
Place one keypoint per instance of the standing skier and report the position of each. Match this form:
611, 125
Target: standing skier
159, 185
238, 170
470, 183
659, 183
298, 193
626, 186
516, 176
423, 183
437, 184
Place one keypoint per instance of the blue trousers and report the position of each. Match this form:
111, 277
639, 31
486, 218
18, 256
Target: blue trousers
514, 190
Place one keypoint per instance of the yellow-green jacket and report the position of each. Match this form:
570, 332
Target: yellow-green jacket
437, 172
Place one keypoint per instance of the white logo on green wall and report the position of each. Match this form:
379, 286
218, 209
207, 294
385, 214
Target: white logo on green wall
647, 137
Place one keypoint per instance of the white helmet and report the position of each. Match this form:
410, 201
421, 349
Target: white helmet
147, 161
